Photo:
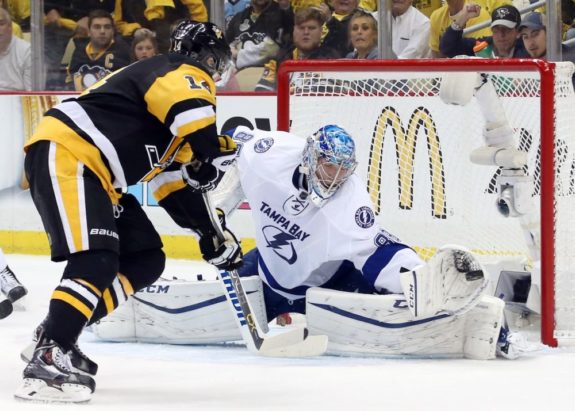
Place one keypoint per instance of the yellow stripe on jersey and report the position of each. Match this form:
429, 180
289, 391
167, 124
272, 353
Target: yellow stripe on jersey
166, 189
174, 145
52, 129
185, 154
193, 126
74, 302
186, 82
166, 183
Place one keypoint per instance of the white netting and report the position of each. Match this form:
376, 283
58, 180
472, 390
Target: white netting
414, 154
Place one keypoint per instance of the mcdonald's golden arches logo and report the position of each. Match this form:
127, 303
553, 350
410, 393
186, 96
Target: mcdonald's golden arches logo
405, 145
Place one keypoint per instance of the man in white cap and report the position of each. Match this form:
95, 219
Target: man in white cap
503, 42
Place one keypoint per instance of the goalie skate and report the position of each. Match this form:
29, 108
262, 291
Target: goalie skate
512, 345
81, 363
450, 283
48, 377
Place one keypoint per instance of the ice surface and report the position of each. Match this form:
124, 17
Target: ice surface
165, 378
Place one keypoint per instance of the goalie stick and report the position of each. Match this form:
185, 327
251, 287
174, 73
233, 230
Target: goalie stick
293, 343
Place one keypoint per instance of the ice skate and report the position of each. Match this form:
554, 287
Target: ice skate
81, 363
10, 286
512, 345
49, 377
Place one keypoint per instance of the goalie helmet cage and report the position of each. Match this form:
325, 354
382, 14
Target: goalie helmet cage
413, 151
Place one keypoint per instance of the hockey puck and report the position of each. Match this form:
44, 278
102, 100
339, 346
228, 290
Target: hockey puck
6, 309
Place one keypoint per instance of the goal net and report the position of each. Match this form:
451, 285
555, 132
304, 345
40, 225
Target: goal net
414, 153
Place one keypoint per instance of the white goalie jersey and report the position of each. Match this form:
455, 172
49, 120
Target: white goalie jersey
301, 245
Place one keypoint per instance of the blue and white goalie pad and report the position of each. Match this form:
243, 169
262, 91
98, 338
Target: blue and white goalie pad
382, 325
180, 312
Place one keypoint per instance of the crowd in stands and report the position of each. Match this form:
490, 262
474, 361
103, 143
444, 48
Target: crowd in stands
84, 40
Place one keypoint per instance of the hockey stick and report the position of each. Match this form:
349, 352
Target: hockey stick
293, 343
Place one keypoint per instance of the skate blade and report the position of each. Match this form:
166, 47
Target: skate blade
37, 390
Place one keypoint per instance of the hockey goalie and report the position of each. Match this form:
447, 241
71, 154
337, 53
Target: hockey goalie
320, 252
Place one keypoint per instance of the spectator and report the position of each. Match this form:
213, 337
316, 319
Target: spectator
442, 18
307, 45
568, 11
63, 20
570, 34
297, 5
368, 5
337, 27
233, 7
504, 41
15, 60
363, 36
100, 55
156, 15
534, 35
410, 31
427, 7
257, 33
144, 44
20, 14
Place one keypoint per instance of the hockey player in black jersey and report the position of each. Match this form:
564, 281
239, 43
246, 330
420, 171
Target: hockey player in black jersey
153, 121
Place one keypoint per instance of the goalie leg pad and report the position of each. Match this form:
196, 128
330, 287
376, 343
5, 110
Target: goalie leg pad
451, 282
179, 312
382, 325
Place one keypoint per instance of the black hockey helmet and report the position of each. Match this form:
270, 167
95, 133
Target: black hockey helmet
204, 42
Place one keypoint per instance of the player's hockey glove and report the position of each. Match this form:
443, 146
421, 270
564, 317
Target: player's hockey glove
205, 175
227, 255
201, 176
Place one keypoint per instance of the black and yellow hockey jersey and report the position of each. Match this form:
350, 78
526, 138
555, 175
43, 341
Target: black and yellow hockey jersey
136, 122
87, 67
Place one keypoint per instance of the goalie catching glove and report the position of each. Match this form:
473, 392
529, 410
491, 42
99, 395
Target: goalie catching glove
227, 255
205, 175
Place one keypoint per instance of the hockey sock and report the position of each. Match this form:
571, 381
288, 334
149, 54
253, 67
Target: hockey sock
71, 306
112, 297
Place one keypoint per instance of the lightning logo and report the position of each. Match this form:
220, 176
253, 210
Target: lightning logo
281, 243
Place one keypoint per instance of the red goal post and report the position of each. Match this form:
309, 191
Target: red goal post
371, 97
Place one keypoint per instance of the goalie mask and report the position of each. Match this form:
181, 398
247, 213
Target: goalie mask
328, 161
205, 43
